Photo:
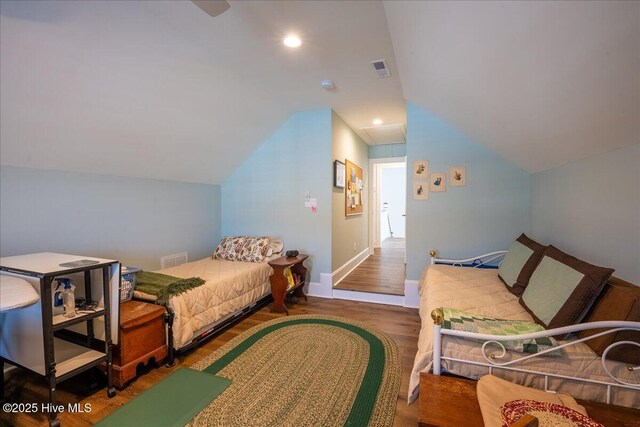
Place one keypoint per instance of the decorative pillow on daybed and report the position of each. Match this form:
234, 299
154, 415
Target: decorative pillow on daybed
242, 248
459, 320
562, 289
519, 264
619, 301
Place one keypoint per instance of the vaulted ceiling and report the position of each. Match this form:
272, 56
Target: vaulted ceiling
162, 90
540, 83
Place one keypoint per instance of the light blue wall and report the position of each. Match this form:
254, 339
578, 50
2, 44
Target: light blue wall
591, 209
387, 150
265, 195
486, 215
135, 221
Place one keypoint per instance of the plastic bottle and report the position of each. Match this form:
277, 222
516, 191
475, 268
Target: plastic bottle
69, 300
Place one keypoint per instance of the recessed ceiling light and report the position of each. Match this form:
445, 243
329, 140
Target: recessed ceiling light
377, 122
292, 41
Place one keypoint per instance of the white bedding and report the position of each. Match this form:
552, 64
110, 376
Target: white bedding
230, 286
481, 291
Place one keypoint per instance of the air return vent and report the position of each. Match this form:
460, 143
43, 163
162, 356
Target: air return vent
173, 260
382, 70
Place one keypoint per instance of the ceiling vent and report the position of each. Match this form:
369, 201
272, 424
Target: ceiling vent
385, 134
382, 70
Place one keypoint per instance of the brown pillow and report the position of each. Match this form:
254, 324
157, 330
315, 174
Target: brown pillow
516, 259
562, 288
619, 300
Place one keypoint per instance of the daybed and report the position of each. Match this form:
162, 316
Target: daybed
231, 289
479, 290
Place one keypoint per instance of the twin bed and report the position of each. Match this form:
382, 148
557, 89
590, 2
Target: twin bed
579, 371
231, 289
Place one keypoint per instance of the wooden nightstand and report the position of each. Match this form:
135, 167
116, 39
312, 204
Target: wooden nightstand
280, 285
142, 338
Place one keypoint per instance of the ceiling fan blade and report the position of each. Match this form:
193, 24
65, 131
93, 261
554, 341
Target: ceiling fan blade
212, 7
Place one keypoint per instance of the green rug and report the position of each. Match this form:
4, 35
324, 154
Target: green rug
305, 371
174, 401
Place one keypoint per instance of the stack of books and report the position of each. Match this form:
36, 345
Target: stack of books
293, 278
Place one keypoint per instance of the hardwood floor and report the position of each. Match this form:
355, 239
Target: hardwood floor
402, 324
381, 273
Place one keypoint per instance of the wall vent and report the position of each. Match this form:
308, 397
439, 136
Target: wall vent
382, 70
174, 260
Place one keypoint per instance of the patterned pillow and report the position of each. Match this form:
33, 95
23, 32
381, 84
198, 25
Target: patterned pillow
242, 248
254, 249
229, 248
458, 320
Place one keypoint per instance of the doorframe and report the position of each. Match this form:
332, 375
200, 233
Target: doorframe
374, 198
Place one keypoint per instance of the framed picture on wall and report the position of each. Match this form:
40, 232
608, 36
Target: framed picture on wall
457, 176
338, 174
421, 169
420, 190
437, 183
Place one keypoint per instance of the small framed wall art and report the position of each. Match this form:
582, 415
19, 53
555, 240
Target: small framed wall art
457, 176
420, 190
338, 174
421, 169
437, 183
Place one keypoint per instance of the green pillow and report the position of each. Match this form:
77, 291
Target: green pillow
562, 288
459, 320
519, 264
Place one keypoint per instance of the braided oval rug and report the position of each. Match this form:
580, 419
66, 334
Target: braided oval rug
305, 371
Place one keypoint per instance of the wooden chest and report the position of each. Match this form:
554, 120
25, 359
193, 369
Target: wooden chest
142, 338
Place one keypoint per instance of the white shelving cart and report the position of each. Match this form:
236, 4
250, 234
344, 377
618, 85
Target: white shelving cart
39, 338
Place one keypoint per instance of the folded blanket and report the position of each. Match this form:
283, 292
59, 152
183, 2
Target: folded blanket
164, 286
464, 321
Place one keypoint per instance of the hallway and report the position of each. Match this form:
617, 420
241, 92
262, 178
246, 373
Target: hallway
382, 273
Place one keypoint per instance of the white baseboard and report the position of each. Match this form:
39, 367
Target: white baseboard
369, 297
348, 267
411, 294
324, 289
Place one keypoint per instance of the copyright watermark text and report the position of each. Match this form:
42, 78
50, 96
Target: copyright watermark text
45, 407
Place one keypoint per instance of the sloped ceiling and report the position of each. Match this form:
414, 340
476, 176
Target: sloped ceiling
541, 83
162, 90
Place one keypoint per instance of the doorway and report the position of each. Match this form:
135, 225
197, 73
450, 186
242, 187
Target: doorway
388, 190
383, 272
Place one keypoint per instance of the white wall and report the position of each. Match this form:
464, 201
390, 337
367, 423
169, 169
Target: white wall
133, 220
591, 209
393, 191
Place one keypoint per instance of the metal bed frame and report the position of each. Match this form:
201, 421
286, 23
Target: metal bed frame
493, 359
216, 327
